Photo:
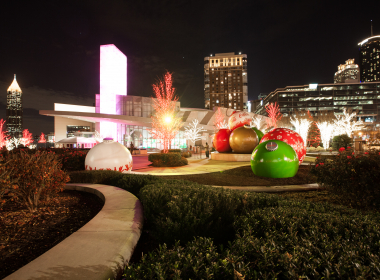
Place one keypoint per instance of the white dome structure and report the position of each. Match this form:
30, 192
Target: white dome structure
109, 155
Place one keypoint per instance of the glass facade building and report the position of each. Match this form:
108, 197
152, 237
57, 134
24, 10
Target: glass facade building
369, 59
362, 97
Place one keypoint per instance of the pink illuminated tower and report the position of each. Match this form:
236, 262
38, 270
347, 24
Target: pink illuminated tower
113, 82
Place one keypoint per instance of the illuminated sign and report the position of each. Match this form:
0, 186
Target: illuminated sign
313, 86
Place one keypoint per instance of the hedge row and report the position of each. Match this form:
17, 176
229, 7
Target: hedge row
257, 236
167, 160
355, 178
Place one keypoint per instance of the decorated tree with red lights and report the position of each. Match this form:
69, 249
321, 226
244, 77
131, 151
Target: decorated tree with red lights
42, 138
3, 134
27, 138
165, 120
273, 111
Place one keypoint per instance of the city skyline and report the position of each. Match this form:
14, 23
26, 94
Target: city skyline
54, 47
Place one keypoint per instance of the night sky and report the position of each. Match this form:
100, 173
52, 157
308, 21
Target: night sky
53, 46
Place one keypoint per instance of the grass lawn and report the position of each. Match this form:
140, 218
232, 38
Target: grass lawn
243, 176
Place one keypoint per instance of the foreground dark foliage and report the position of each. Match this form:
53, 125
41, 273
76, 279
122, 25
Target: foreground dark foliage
270, 237
355, 178
25, 236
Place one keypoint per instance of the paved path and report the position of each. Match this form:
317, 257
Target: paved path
196, 166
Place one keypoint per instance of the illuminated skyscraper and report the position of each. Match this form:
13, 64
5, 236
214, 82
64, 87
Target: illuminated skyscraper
347, 73
226, 81
369, 57
14, 110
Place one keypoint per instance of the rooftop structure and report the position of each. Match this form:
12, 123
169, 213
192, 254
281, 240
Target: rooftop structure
347, 73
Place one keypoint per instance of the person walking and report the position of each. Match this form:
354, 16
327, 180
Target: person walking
207, 150
132, 147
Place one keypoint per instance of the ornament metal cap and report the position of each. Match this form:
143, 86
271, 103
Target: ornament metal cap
271, 146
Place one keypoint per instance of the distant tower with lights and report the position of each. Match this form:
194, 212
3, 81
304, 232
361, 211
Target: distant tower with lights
369, 58
14, 110
347, 73
226, 81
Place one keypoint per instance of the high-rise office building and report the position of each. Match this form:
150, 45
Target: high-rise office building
369, 56
347, 73
14, 110
226, 81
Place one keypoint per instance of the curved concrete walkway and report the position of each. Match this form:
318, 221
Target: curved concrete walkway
98, 250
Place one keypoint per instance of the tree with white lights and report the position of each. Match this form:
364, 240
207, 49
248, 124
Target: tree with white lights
165, 121
257, 121
16, 142
98, 138
193, 131
346, 124
327, 129
301, 126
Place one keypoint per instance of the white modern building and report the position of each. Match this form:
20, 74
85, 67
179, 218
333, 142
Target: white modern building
127, 119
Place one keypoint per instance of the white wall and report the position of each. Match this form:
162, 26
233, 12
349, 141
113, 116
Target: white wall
60, 125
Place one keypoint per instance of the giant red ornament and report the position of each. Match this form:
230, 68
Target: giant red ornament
290, 137
221, 141
238, 119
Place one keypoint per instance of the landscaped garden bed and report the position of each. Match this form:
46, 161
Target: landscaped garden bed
26, 235
243, 176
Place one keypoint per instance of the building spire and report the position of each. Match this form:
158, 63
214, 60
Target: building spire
371, 29
14, 86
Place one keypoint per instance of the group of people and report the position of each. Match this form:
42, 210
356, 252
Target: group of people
207, 150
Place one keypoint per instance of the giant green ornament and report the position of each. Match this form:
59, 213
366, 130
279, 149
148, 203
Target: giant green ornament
274, 159
259, 133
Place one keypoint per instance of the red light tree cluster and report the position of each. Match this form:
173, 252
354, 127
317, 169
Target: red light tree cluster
3, 134
219, 121
27, 138
165, 122
42, 138
273, 111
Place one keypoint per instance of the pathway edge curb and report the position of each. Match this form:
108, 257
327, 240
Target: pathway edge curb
98, 250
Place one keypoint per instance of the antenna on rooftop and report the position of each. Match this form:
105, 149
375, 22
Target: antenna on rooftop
371, 29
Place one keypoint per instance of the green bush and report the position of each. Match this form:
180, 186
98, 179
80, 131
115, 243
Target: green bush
285, 240
199, 259
106, 177
342, 140
180, 210
355, 178
186, 154
129, 182
172, 151
167, 160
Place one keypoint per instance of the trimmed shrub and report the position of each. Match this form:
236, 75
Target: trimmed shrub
199, 259
174, 151
167, 160
180, 210
186, 154
288, 240
106, 177
129, 182
342, 140
355, 178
